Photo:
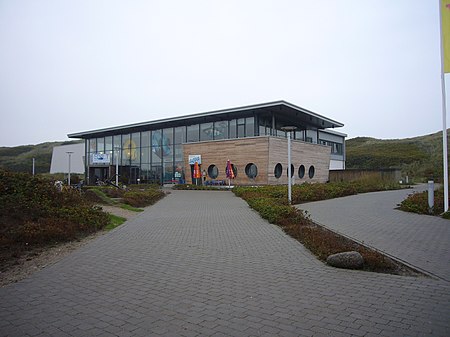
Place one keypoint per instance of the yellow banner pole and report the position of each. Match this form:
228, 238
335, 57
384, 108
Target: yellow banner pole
444, 17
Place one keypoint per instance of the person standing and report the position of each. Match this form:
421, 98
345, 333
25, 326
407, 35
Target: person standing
204, 176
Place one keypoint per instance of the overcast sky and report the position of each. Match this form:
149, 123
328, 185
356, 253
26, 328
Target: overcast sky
71, 66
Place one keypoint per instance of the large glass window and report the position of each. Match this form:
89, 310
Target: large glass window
249, 126
179, 172
180, 135
145, 139
265, 125
193, 133
262, 130
108, 144
168, 173
241, 127
101, 145
129, 150
156, 155
145, 155
206, 131
233, 128
167, 141
178, 148
168, 136
145, 173
300, 134
117, 142
221, 130
135, 140
93, 145
156, 147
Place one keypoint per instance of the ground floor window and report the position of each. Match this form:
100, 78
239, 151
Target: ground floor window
251, 170
278, 170
311, 172
213, 171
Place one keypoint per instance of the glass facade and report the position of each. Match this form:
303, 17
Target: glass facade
156, 156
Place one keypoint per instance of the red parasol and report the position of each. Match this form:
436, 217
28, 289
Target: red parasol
229, 170
197, 173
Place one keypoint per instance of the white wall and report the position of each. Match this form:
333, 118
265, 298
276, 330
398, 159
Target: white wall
337, 165
60, 159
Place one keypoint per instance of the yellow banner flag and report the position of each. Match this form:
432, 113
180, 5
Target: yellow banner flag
445, 19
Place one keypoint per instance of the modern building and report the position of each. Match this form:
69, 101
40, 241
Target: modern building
251, 137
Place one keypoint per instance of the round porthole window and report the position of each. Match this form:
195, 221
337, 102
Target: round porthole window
311, 172
301, 171
292, 171
251, 170
278, 170
213, 171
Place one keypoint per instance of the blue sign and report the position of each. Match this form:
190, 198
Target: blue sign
100, 158
195, 158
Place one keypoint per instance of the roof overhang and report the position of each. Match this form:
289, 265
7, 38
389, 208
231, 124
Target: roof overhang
285, 114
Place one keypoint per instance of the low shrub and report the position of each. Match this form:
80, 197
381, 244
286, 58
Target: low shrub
271, 203
418, 203
191, 187
142, 198
315, 192
33, 211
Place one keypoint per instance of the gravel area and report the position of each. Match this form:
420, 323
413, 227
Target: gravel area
40, 258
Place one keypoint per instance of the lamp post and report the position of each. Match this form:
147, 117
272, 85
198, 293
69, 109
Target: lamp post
289, 129
117, 165
70, 155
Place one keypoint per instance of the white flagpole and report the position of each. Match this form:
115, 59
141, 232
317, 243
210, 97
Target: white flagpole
444, 115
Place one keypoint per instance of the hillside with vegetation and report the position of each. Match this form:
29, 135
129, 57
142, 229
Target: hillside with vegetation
20, 158
419, 157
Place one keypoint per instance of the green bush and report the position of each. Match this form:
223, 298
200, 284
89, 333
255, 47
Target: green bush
271, 203
418, 203
33, 211
315, 192
190, 187
142, 198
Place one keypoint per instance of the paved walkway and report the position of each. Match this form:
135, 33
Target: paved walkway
421, 240
204, 264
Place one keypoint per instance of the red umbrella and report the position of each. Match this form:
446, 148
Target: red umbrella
197, 173
229, 170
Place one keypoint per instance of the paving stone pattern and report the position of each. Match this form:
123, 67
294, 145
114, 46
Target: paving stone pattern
204, 264
421, 240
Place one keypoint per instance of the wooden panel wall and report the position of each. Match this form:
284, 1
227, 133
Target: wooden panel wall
265, 152
302, 153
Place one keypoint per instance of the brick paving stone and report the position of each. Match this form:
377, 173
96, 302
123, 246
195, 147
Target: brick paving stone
372, 218
203, 263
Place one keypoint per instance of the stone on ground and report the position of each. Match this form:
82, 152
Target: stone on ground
347, 260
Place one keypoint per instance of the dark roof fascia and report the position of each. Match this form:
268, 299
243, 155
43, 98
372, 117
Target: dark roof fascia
193, 117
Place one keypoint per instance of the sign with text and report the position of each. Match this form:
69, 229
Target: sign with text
195, 158
100, 158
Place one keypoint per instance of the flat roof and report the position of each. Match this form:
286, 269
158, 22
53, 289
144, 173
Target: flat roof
284, 112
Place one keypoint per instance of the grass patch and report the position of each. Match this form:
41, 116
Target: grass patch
271, 203
98, 196
131, 208
114, 221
